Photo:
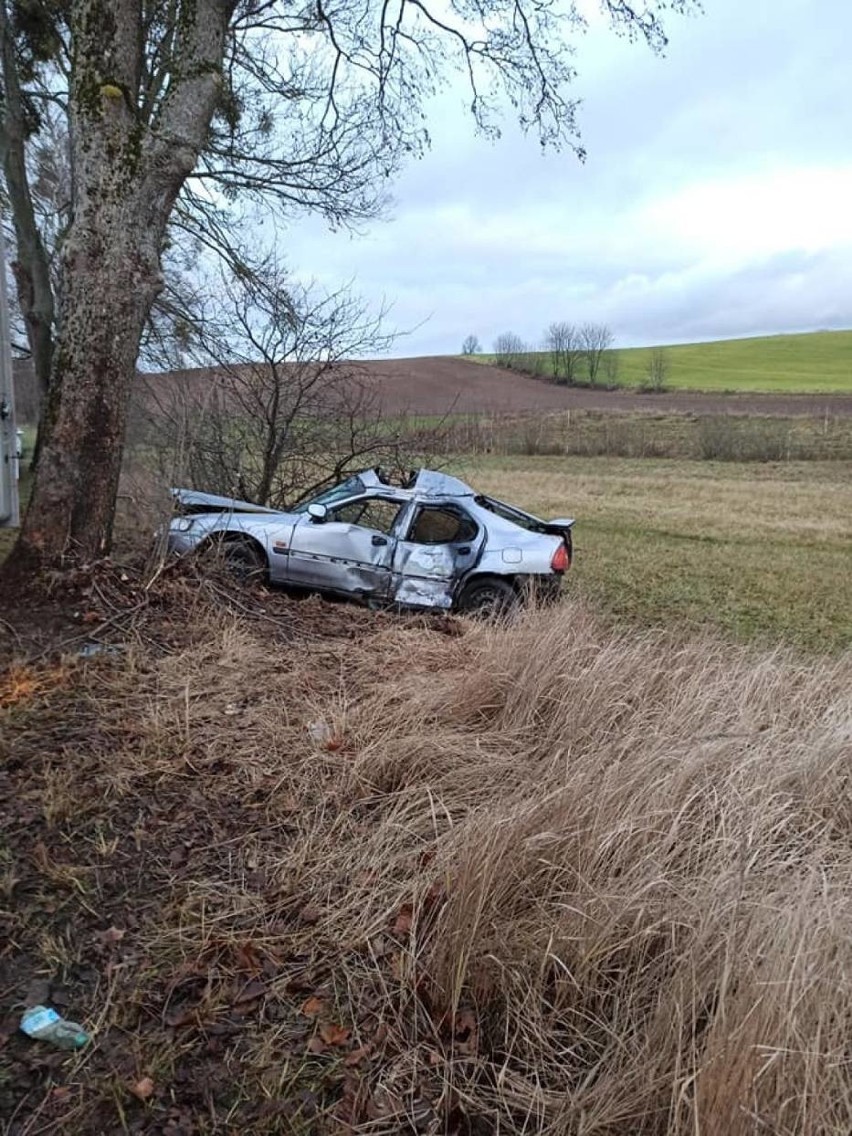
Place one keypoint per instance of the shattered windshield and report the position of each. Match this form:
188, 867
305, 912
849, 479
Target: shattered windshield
510, 513
347, 488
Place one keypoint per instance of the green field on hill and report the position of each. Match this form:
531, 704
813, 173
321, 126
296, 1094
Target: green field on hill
812, 363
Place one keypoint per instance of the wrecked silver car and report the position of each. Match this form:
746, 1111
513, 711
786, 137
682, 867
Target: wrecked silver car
431, 542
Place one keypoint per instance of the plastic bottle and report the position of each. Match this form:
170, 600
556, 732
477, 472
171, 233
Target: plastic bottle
45, 1024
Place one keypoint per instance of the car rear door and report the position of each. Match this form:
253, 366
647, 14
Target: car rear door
350, 552
442, 543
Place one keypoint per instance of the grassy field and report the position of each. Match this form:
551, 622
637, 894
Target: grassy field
760, 551
308, 868
816, 362
757, 551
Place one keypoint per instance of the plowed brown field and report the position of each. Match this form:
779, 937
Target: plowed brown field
436, 385
439, 385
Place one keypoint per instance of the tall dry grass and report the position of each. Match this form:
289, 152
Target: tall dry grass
578, 881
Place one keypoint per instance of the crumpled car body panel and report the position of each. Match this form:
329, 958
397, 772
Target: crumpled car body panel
415, 545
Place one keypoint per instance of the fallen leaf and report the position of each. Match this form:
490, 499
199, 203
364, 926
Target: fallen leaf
316, 1045
113, 935
434, 894
334, 1035
143, 1089
248, 958
61, 1093
357, 1056
312, 1006
404, 920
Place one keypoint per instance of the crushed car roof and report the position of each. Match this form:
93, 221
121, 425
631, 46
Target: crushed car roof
427, 482
424, 483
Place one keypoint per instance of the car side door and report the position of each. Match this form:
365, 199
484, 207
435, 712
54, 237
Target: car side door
350, 551
442, 542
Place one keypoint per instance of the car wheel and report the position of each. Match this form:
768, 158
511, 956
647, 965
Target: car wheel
243, 559
488, 598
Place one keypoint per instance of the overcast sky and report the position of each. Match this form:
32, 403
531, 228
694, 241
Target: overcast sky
715, 201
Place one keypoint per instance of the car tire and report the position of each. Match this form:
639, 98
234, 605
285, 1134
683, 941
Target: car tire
488, 597
243, 559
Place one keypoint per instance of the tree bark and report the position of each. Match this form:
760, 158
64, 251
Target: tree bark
108, 289
31, 268
126, 177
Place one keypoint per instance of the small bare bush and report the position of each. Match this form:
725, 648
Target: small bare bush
280, 408
595, 340
564, 346
724, 438
658, 370
509, 350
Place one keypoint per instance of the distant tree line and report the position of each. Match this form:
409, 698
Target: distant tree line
570, 354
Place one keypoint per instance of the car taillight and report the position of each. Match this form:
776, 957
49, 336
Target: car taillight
561, 561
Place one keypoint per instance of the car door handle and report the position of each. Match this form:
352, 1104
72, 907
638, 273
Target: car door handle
379, 539
464, 550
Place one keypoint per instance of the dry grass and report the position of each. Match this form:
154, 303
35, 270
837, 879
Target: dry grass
794, 502
732, 434
760, 552
544, 878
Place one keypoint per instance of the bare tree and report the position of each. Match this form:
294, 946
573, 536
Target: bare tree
595, 339
658, 369
562, 343
471, 346
278, 409
509, 350
180, 110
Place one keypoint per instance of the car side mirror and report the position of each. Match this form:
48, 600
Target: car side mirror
317, 513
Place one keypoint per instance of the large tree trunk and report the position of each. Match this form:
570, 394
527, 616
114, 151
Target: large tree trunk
126, 176
110, 271
108, 289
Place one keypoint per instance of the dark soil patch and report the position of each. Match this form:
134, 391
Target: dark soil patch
440, 385
435, 386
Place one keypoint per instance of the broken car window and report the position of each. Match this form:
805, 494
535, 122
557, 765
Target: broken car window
372, 512
347, 488
508, 513
442, 525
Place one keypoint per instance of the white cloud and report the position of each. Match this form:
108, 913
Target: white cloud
730, 220
714, 200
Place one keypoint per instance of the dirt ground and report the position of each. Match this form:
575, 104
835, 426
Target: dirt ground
446, 385
435, 385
